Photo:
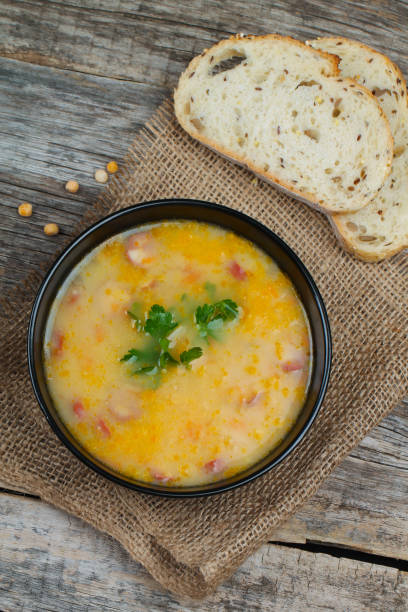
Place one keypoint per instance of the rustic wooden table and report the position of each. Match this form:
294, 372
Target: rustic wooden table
78, 78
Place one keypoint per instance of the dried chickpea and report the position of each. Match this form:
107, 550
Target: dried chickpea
112, 167
51, 229
72, 186
101, 176
25, 209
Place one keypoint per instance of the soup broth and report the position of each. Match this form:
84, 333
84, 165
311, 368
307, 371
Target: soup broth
178, 353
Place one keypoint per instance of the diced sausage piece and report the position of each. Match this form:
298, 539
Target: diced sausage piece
124, 404
293, 366
103, 429
78, 409
140, 249
160, 477
216, 466
57, 343
237, 271
253, 398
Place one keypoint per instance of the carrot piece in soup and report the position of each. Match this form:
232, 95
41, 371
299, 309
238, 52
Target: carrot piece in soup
191, 275
237, 271
193, 431
99, 333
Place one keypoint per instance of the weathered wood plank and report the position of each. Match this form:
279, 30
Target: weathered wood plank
151, 42
363, 504
51, 561
56, 125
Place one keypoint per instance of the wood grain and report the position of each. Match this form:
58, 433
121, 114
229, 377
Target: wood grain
151, 42
65, 125
52, 561
77, 79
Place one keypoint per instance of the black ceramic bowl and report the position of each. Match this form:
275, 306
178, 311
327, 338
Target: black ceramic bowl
200, 211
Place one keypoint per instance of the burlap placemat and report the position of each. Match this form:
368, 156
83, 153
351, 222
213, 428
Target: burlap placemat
191, 545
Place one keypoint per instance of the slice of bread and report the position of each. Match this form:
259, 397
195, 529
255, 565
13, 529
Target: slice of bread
284, 112
380, 229
372, 69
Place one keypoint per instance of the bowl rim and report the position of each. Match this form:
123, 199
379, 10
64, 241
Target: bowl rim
211, 488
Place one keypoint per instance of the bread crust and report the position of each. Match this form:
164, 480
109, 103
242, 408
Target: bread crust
289, 188
336, 220
389, 62
350, 247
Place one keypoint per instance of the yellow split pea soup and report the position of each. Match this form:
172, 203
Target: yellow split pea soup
178, 353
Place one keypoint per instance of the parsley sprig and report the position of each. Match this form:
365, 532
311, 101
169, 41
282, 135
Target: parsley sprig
187, 357
210, 318
151, 360
156, 357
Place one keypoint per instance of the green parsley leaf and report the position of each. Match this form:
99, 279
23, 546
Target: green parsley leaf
159, 323
226, 309
210, 317
187, 357
136, 313
145, 356
156, 357
150, 370
166, 359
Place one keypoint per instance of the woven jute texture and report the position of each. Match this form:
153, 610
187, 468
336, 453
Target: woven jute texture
191, 545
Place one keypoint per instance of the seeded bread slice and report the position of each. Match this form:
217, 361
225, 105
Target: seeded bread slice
373, 70
284, 112
380, 229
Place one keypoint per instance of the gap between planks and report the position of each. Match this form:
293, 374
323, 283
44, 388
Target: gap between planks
52, 561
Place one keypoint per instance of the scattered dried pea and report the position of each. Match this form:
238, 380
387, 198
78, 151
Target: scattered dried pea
25, 209
51, 229
101, 176
112, 167
72, 186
